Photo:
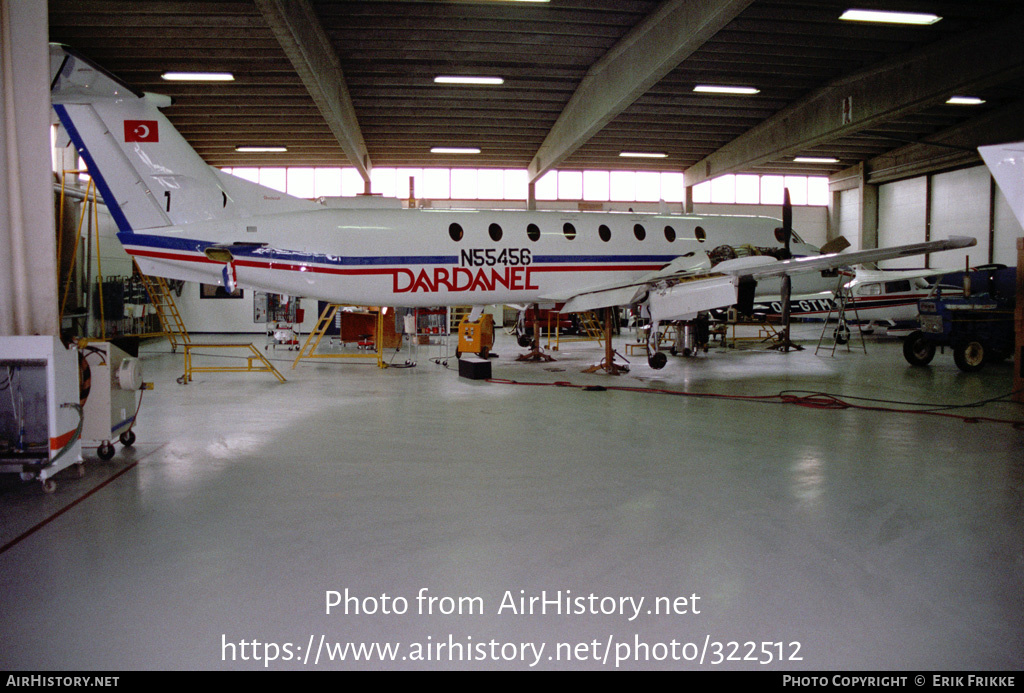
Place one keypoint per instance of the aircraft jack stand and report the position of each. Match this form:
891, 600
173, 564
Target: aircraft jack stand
608, 364
535, 354
784, 344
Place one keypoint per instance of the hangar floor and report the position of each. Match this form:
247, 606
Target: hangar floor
836, 539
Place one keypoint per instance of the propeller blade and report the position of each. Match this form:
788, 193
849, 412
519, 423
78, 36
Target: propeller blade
787, 211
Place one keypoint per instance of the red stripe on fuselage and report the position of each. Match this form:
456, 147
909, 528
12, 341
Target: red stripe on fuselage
292, 267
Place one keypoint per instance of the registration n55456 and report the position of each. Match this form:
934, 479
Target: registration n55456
489, 257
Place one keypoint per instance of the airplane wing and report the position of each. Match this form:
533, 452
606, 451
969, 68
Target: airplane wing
682, 293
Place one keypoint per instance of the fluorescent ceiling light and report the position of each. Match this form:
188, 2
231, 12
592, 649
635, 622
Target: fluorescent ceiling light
965, 101
198, 76
454, 150
718, 89
815, 160
456, 79
886, 17
644, 155
259, 148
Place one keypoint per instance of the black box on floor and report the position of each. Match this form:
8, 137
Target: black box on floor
474, 368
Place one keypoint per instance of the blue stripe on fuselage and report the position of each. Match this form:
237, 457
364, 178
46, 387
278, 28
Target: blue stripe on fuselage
265, 253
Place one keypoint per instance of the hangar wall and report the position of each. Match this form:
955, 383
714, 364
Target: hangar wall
965, 202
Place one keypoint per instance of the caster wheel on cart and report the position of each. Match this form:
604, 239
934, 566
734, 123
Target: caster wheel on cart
128, 438
105, 451
49, 486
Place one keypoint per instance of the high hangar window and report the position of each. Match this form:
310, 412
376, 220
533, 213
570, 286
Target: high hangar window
512, 184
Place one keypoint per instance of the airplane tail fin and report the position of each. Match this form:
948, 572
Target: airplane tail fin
147, 173
1006, 162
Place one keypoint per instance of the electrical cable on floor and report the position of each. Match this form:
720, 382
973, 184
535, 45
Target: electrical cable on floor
813, 400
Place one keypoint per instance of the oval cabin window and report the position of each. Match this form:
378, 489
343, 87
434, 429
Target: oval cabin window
455, 231
670, 234
604, 232
533, 232
569, 230
640, 232
700, 234
494, 231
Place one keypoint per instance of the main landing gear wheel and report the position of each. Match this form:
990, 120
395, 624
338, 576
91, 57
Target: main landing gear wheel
128, 438
969, 355
657, 360
106, 450
842, 334
917, 350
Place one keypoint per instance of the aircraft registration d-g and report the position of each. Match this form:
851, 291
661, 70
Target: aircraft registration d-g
183, 219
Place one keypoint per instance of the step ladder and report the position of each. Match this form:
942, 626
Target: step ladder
591, 330
166, 309
456, 314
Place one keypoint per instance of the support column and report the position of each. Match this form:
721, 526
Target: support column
1018, 364
28, 247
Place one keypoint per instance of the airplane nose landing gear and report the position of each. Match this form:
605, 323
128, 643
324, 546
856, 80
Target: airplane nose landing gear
657, 360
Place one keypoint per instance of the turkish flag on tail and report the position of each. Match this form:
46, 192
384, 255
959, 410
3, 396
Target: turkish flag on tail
141, 131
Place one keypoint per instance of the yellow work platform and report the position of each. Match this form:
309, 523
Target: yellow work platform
250, 359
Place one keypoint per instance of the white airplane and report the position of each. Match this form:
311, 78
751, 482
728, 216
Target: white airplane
183, 219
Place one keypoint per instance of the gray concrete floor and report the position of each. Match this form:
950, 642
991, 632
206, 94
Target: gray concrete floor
852, 539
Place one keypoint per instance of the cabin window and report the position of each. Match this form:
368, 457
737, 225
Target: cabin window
899, 285
455, 231
670, 234
639, 231
604, 232
569, 230
494, 231
533, 232
700, 234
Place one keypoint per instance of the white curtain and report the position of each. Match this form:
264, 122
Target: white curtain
28, 264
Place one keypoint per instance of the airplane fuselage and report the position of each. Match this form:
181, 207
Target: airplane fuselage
446, 257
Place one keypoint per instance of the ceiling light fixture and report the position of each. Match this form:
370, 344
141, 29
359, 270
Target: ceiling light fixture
259, 148
720, 89
454, 150
965, 101
644, 155
888, 17
457, 79
198, 76
815, 160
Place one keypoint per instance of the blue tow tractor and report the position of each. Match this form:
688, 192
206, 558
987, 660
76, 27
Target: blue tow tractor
972, 312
